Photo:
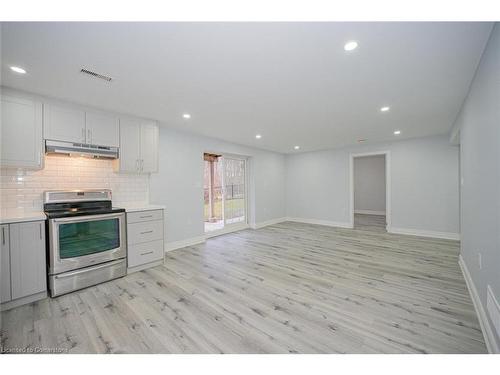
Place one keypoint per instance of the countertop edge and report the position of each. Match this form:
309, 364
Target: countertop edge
22, 219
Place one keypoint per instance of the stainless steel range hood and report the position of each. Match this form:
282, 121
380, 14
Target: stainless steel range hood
81, 149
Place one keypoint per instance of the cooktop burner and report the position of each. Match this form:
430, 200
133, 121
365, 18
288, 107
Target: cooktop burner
60, 204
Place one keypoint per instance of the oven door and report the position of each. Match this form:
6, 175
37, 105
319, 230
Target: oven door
83, 241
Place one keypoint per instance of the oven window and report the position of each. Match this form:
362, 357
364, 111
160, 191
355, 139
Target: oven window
88, 237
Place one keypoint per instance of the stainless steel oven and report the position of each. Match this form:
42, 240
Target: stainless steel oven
87, 239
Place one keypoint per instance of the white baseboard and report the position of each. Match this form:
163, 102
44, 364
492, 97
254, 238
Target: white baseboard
424, 233
145, 266
263, 224
230, 229
320, 222
169, 246
369, 212
23, 301
488, 333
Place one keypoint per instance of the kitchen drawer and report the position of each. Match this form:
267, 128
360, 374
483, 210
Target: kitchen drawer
137, 217
144, 253
144, 232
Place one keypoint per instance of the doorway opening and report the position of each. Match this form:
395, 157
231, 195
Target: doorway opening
225, 193
370, 191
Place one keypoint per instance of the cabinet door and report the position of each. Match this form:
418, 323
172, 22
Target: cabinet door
21, 132
5, 265
27, 258
63, 123
130, 131
149, 147
102, 129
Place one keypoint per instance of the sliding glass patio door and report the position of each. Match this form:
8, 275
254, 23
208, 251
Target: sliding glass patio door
225, 192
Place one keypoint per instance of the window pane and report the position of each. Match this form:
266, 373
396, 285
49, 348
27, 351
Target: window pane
212, 186
78, 239
234, 179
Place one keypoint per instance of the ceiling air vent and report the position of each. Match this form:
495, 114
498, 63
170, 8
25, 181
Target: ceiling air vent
96, 75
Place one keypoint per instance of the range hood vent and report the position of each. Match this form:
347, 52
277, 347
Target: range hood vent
81, 149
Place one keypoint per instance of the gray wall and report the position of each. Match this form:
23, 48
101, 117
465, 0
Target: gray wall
179, 183
479, 124
424, 184
369, 183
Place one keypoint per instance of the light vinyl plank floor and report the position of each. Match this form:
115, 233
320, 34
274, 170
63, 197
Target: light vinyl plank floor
286, 288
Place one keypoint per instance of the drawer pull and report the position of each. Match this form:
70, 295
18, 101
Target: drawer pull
148, 231
148, 252
145, 217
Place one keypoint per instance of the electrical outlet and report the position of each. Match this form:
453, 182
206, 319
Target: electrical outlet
480, 260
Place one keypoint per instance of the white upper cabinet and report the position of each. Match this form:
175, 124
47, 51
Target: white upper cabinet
21, 132
102, 129
138, 146
64, 123
72, 124
149, 147
130, 145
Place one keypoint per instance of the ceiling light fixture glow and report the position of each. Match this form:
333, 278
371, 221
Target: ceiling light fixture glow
351, 45
385, 109
296, 147
187, 116
18, 69
258, 136
397, 132
361, 140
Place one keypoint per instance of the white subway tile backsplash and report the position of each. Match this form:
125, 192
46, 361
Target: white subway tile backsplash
23, 189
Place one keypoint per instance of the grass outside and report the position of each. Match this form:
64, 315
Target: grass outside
231, 205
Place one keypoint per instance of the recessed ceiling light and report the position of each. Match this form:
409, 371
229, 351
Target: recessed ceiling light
17, 69
385, 109
397, 132
187, 116
296, 147
351, 45
258, 136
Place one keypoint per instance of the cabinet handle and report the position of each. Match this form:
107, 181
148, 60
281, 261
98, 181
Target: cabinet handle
148, 252
3, 235
137, 165
142, 165
144, 217
148, 231
40, 230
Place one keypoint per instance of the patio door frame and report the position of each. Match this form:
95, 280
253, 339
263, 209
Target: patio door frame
228, 228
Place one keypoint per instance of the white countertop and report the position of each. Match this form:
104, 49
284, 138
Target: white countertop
19, 216
10, 216
141, 207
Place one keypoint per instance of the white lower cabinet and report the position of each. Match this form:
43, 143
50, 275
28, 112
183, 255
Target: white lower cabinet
144, 239
23, 263
144, 253
5, 294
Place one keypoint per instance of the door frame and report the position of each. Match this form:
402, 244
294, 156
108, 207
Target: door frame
236, 226
388, 212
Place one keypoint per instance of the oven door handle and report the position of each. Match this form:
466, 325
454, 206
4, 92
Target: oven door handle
86, 269
81, 218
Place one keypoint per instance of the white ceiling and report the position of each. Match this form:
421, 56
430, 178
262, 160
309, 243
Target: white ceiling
291, 82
